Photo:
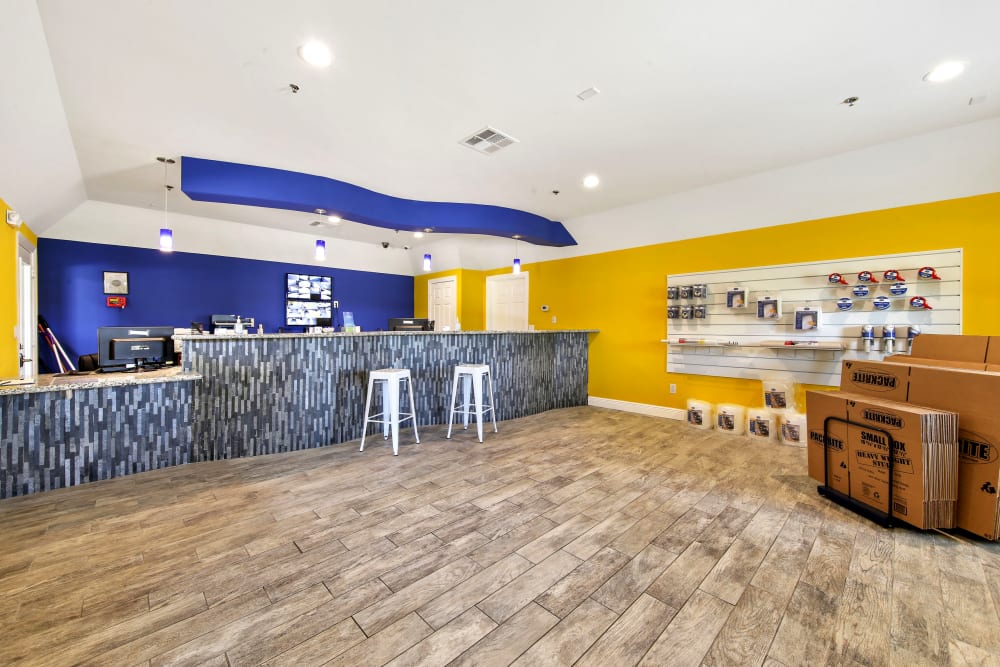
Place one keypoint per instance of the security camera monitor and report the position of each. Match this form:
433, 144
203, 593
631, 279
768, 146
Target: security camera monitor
308, 313
308, 299
302, 287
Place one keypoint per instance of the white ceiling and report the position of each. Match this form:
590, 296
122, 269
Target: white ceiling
692, 93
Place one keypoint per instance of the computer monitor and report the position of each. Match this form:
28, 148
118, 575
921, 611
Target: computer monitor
410, 324
124, 348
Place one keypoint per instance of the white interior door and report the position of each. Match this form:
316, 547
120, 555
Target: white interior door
507, 302
442, 303
27, 308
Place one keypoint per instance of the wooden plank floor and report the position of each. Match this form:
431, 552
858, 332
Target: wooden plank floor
579, 536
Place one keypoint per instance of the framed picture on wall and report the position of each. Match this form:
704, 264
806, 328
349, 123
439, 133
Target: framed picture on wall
116, 282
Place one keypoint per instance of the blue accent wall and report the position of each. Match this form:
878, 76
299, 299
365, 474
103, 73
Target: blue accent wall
178, 288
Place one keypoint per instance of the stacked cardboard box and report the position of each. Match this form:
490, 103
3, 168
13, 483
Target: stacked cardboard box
957, 374
923, 455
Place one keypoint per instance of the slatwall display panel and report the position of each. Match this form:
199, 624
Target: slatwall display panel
727, 343
54, 439
263, 395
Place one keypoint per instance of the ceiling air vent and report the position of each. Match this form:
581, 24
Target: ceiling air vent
488, 140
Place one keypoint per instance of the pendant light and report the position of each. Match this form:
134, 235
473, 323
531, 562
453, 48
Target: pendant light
320, 251
427, 261
166, 234
517, 262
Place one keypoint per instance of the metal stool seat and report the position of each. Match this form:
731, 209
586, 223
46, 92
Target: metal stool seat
389, 379
472, 377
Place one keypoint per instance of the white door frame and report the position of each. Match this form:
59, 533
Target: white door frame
491, 282
26, 261
430, 300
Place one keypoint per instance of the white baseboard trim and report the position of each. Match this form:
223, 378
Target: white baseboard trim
639, 408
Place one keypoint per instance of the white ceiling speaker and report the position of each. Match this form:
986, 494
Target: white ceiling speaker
13, 218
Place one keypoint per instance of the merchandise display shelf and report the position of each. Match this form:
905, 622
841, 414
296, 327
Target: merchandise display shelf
774, 345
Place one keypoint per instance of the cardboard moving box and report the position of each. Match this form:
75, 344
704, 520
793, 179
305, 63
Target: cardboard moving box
875, 378
823, 404
924, 460
946, 347
975, 396
947, 383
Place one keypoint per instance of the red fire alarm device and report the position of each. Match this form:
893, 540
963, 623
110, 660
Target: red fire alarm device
116, 302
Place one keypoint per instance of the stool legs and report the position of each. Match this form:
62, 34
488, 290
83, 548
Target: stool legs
451, 411
390, 416
392, 410
493, 405
477, 388
368, 408
472, 395
413, 410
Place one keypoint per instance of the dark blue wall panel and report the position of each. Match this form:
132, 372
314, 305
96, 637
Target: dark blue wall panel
178, 288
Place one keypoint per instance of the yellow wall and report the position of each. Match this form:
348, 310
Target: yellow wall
470, 294
623, 293
8, 293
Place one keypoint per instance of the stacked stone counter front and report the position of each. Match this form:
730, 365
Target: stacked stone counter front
87, 428
263, 394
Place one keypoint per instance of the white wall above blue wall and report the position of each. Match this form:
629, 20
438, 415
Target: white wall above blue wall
114, 224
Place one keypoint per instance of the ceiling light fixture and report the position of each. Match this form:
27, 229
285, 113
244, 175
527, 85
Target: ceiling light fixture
320, 251
166, 234
316, 54
591, 181
585, 95
427, 261
945, 72
334, 219
418, 235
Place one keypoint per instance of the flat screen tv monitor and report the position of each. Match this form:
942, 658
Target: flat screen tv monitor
410, 324
303, 287
124, 348
308, 299
308, 313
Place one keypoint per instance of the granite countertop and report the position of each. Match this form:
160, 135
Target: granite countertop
340, 334
98, 380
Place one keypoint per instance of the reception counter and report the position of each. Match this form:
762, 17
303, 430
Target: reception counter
263, 394
68, 430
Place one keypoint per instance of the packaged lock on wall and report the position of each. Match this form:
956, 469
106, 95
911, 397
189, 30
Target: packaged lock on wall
736, 297
769, 308
807, 318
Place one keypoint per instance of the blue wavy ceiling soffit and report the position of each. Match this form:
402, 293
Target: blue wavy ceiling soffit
232, 183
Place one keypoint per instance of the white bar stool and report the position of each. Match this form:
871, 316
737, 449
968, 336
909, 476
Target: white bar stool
390, 417
472, 376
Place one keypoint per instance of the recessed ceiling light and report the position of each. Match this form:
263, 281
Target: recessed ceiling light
316, 54
945, 72
334, 219
418, 235
591, 181
427, 230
